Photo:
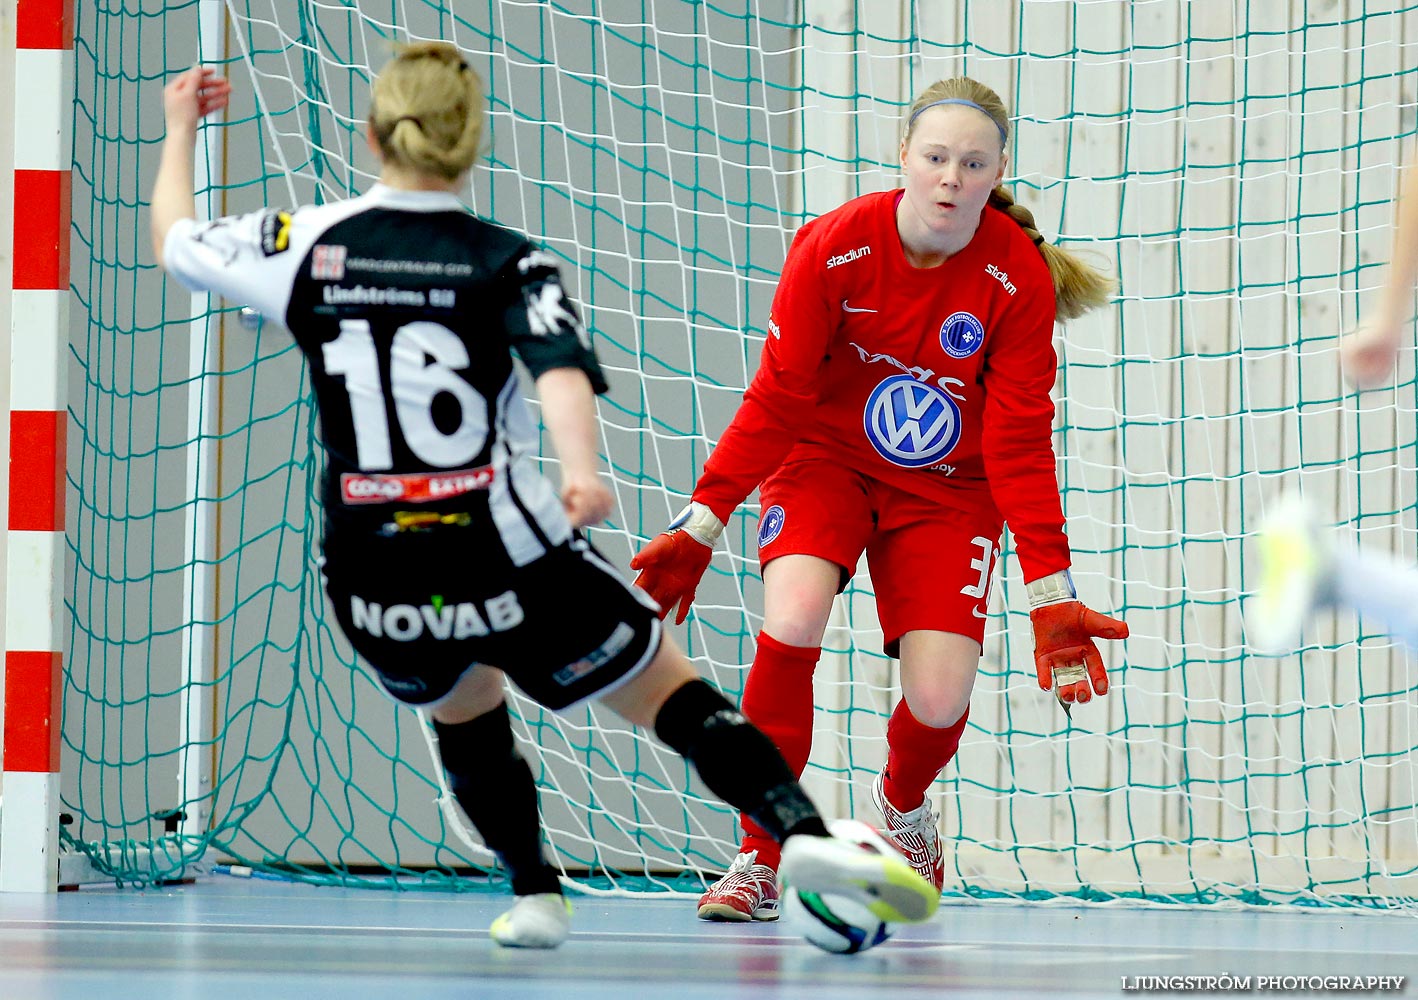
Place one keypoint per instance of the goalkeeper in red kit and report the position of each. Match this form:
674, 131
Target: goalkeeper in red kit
901, 408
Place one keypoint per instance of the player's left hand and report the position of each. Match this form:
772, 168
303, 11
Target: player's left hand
1369, 354
193, 95
586, 499
1063, 637
1064, 630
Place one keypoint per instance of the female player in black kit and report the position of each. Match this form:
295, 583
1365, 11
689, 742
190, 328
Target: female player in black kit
449, 560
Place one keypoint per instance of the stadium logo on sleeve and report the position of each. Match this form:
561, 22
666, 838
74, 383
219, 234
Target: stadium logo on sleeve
1002, 277
275, 232
771, 526
837, 260
961, 335
911, 424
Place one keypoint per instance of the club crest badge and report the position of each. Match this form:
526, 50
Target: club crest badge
770, 525
961, 335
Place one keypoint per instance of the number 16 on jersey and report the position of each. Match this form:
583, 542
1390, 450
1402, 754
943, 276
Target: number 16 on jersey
414, 383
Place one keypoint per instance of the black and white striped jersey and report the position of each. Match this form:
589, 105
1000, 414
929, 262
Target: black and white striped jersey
408, 308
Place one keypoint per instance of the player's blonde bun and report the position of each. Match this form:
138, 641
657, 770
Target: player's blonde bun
427, 111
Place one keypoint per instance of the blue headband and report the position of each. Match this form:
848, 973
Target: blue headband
1003, 135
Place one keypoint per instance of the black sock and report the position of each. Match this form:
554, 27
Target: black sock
736, 761
494, 785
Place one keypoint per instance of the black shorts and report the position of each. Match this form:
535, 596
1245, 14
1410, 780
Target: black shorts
423, 608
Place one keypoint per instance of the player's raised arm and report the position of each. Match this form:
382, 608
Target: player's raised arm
196, 93
1369, 353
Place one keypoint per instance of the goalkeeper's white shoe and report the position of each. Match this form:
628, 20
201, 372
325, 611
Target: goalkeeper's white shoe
915, 834
541, 920
858, 863
1296, 567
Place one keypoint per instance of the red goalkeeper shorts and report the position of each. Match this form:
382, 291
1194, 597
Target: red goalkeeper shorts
931, 564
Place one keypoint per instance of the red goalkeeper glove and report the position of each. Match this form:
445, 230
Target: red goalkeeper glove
1065, 656
672, 564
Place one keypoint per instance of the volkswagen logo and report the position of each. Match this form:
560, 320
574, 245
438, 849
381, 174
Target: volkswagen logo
911, 423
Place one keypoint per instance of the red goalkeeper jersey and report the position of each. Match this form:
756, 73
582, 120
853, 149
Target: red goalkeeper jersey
935, 380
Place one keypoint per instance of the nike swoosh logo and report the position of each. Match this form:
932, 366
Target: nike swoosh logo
978, 613
850, 309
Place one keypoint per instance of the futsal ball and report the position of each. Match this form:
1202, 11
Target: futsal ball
834, 923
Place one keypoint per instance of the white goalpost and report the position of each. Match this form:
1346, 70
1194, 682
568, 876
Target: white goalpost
34, 542
1232, 164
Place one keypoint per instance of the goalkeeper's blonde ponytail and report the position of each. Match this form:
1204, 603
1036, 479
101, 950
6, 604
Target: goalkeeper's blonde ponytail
1078, 286
427, 110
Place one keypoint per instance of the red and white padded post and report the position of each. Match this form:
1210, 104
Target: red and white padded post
34, 572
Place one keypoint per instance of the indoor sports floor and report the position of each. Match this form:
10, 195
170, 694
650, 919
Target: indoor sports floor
225, 938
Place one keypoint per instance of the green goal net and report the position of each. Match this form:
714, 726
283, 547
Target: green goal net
1232, 165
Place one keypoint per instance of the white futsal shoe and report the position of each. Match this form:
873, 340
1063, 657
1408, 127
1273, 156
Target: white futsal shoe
916, 834
541, 920
1295, 564
858, 863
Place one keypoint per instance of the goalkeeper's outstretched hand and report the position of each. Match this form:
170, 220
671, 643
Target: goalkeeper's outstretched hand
193, 95
671, 566
1065, 656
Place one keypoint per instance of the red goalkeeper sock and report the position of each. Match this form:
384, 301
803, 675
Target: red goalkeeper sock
915, 755
777, 698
